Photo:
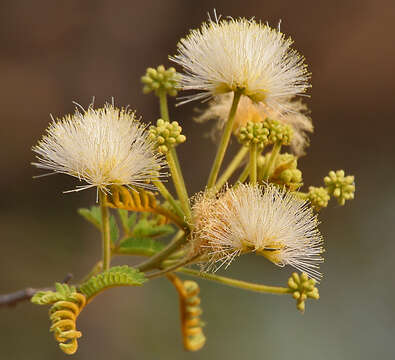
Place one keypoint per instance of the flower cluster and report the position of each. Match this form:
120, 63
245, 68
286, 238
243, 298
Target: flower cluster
254, 79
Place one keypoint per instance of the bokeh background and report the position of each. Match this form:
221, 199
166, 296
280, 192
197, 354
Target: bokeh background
56, 52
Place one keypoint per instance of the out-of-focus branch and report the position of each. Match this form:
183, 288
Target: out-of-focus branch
12, 299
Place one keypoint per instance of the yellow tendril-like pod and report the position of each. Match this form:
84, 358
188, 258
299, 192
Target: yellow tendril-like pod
67, 304
191, 325
139, 200
63, 315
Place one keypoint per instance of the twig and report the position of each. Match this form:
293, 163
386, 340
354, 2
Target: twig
12, 299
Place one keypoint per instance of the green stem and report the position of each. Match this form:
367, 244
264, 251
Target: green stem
105, 221
252, 164
244, 175
273, 156
224, 140
231, 167
178, 181
237, 283
155, 260
167, 196
172, 268
164, 110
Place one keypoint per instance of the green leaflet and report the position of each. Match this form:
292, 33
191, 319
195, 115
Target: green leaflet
93, 215
149, 228
114, 231
127, 220
140, 246
63, 292
116, 276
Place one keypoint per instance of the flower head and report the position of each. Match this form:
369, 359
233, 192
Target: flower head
244, 55
103, 147
265, 220
295, 116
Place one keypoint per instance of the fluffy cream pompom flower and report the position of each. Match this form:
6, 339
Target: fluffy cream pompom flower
296, 116
244, 55
103, 147
265, 220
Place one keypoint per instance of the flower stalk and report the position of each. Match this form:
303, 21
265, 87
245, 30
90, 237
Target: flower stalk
105, 222
236, 283
224, 140
178, 181
232, 167
253, 163
272, 160
167, 196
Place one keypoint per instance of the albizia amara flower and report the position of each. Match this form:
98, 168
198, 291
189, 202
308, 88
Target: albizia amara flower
264, 220
240, 54
103, 147
296, 116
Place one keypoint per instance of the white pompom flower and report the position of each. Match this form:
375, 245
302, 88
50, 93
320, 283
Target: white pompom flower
241, 55
265, 220
103, 147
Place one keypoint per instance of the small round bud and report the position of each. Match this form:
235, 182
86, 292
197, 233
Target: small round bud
254, 133
278, 133
285, 171
340, 186
302, 288
160, 79
318, 197
166, 135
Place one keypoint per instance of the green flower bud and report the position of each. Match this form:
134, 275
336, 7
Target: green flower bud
340, 186
318, 197
166, 135
285, 171
302, 288
278, 133
160, 79
254, 133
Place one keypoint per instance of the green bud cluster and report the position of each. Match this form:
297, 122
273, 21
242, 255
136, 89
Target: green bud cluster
286, 170
166, 135
254, 133
278, 133
318, 197
340, 186
160, 79
302, 288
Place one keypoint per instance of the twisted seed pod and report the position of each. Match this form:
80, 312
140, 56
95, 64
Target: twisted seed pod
63, 315
191, 325
140, 200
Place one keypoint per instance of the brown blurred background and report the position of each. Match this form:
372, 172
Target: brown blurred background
56, 52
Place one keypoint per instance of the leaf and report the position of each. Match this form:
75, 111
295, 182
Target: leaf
92, 215
132, 220
114, 231
123, 215
149, 228
63, 292
140, 246
116, 276
127, 220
